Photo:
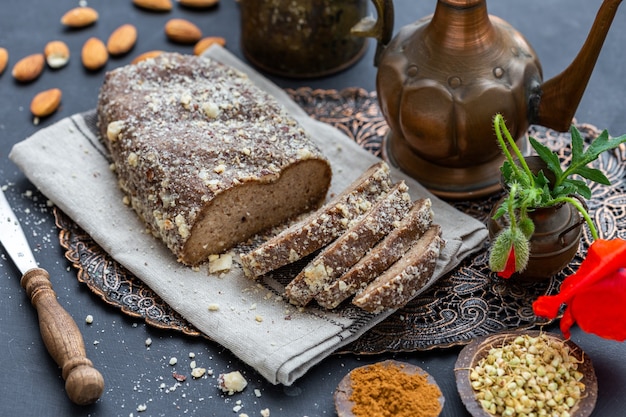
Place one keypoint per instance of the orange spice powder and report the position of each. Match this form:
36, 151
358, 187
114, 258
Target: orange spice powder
386, 390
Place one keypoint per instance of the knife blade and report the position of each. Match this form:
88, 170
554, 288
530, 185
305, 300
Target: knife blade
83, 383
11, 231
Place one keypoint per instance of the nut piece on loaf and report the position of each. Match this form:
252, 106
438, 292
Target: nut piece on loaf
206, 158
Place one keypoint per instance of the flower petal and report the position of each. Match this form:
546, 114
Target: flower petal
548, 305
600, 308
509, 268
567, 321
604, 257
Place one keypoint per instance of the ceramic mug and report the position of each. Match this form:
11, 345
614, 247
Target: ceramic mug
302, 38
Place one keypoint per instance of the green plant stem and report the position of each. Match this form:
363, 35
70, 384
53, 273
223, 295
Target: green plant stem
577, 204
501, 126
511, 206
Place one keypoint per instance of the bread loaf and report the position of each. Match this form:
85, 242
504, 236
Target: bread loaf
205, 158
405, 278
380, 257
351, 246
322, 227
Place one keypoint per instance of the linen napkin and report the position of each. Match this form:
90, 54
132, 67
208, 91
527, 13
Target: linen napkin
69, 164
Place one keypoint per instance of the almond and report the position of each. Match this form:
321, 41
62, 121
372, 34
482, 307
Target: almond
146, 55
4, 59
79, 17
206, 43
198, 4
182, 31
94, 54
122, 39
46, 102
57, 54
154, 5
29, 67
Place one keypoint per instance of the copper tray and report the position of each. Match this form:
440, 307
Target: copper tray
465, 304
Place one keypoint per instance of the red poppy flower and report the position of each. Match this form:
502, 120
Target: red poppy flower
509, 268
595, 295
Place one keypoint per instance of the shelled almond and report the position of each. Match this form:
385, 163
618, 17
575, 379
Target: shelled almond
79, 17
29, 68
94, 54
146, 55
4, 59
182, 31
46, 102
206, 43
122, 40
199, 4
57, 54
154, 5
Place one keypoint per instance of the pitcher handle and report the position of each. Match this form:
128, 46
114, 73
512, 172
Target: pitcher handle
381, 28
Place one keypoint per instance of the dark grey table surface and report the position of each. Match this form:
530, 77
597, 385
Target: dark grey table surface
30, 381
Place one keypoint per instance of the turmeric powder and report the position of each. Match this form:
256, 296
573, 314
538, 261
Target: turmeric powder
393, 389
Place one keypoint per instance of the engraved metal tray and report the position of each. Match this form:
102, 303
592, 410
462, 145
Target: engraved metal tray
465, 304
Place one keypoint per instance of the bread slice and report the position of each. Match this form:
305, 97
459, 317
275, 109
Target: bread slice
334, 260
404, 279
206, 158
323, 226
380, 258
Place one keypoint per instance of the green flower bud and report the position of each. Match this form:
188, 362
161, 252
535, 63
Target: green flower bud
527, 227
507, 240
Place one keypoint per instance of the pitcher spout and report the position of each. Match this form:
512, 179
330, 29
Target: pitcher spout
561, 94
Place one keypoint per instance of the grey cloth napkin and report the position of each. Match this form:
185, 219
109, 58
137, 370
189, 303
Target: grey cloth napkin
69, 164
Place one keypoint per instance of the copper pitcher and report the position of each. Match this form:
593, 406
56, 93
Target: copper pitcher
441, 80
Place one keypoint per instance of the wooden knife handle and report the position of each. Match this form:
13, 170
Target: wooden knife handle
83, 383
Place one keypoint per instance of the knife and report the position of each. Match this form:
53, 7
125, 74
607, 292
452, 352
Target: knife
83, 383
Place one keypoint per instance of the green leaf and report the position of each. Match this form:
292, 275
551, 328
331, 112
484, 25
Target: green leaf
572, 186
507, 172
550, 158
601, 144
580, 160
577, 143
593, 174
541, 180
501, 211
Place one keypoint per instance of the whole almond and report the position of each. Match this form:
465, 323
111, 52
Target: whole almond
122, 39
94, 54
46, 102
182, 31
199, 4
79, 17
154, 5
57, 54
206, 43
4, 59
146, 55
29, 68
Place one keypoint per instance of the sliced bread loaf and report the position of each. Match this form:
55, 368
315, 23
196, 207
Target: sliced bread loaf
381, 257
322, 227
406, 278
334, 260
